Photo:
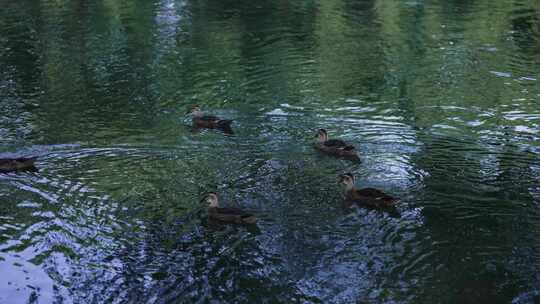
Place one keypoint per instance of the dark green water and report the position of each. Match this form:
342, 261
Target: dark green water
442, 99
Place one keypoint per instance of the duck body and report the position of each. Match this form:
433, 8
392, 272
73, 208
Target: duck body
210, 121
17, 164
336, 147
227, 214
231, 215
213, 122
370, 197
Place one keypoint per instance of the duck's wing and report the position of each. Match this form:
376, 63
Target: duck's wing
233, 211
29, 161
18, 163
335, 143
209, 118
374, 194
232, 215
4, 161
225, 125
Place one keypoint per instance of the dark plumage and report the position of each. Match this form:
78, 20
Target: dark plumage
17, 164
227, 214
335, 147
336, 143
367, 196
209, 121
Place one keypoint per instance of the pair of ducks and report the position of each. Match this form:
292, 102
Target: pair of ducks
368, 197
202, 121
334, 147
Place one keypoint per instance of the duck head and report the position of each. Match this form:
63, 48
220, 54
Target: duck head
195, 111
348, 180
322, 135
211, 199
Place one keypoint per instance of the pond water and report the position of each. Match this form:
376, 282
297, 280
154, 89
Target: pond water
441, 98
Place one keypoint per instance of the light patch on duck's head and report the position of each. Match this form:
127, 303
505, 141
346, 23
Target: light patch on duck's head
322, 135
347, 179
195, 111
212, 199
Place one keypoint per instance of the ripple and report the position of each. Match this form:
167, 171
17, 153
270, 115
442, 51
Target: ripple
444, 117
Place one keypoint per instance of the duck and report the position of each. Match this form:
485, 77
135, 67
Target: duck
227, 215
368, 197
336, 147
17, 164
209, 122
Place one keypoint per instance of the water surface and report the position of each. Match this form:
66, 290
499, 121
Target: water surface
442, 99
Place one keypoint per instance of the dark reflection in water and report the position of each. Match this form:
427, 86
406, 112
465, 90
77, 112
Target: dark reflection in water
440, 98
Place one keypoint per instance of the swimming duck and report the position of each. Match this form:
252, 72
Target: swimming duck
369, 197
334, 147
229, 215
17, 164
209, 122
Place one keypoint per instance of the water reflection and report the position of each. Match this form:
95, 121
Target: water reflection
440, 99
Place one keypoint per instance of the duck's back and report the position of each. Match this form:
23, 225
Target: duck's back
335, 143
371, 196
206, 121
233, 215
213, 122
13, 164
208, 118
337, 147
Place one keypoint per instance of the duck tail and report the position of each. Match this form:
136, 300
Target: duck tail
225, 125
391, 201
348, 148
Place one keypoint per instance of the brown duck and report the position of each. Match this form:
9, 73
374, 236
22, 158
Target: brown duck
228, 215
17, 164
210, 122
334, 147
369, 197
